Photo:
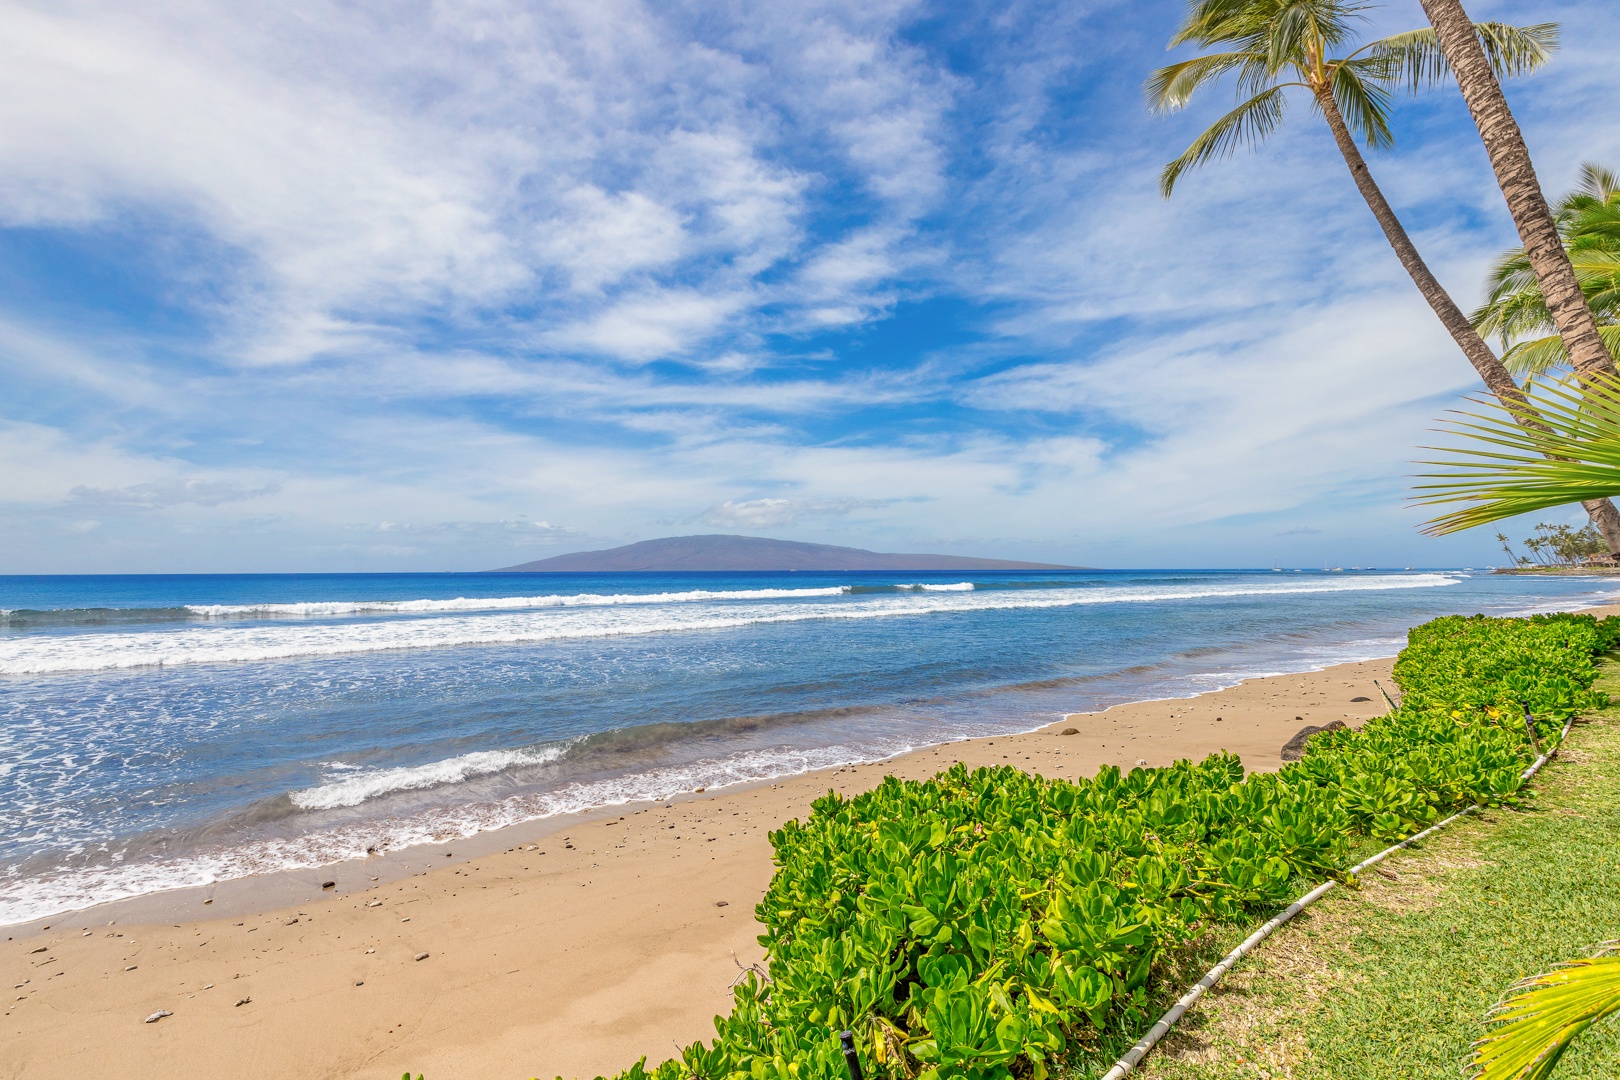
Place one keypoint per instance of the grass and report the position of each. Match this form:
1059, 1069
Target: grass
1392, 980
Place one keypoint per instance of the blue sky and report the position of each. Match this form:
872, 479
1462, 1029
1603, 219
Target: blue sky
428, 286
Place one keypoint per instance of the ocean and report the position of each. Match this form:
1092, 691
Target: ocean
158, 732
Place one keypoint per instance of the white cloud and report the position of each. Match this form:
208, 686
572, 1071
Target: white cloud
436, 257
166, 493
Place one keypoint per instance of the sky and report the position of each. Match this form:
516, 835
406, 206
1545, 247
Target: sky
354, 286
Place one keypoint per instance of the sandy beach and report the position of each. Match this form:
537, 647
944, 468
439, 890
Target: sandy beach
570, 947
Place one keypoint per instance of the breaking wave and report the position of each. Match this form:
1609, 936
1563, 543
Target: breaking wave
203, 645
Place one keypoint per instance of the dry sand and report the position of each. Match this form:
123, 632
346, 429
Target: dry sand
567, 948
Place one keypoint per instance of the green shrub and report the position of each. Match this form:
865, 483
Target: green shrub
989, 923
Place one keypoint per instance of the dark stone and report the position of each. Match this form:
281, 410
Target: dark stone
1294, 749
722, 903
328, 884
1360, 697
1070, 731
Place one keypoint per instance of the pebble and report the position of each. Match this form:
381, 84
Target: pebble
328, 884
242, 1001
375, 903
160, 1014
42, 948
359, 982
131, 967
722, 903
421, 956
1070, 731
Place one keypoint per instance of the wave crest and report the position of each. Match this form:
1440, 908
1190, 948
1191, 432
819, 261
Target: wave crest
355, 788
105, 651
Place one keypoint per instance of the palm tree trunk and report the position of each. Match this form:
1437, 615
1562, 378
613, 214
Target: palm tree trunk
1496, 376
1516, 176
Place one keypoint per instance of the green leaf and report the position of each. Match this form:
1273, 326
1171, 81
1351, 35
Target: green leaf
1544, 1014
1511, 466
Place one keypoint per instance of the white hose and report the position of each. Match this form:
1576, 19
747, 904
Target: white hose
1133, 1057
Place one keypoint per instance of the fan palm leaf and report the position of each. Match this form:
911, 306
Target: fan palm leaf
1543, 1014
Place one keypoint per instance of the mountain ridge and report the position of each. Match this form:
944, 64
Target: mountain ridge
720, 551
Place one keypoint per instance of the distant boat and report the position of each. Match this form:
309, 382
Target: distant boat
1338, 569
1409, 568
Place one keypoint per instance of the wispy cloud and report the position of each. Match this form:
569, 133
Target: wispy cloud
870, 272
166, 493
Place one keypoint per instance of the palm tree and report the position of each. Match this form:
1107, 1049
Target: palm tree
1516, 176
1588, 221
1273, 46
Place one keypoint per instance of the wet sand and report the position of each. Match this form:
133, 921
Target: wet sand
568, 947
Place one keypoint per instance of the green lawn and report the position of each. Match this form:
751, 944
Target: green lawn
1392, 980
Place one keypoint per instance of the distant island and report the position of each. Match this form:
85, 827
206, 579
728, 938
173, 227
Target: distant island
720, 552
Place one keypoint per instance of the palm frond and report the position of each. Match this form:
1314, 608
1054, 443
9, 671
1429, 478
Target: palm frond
1536, 1024
1562, 445
1209, 21
1599, 182
1248, 124
1289, 32
1535, 357
1414, 58
1517, 50
1171, 87
1364, 105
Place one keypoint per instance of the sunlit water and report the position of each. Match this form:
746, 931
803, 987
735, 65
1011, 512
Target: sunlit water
157, 732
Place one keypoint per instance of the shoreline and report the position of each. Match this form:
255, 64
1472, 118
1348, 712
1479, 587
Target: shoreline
275, 872
566, 947
573, 951
265, 891
260, 892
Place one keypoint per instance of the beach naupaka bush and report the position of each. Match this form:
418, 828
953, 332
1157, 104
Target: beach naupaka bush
991, 924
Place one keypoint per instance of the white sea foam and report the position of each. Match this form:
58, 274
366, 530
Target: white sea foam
317, 608
25, 899
92, 652
354, 789
960, 586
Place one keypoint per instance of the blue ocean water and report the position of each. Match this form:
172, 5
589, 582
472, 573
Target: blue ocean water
164, 731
